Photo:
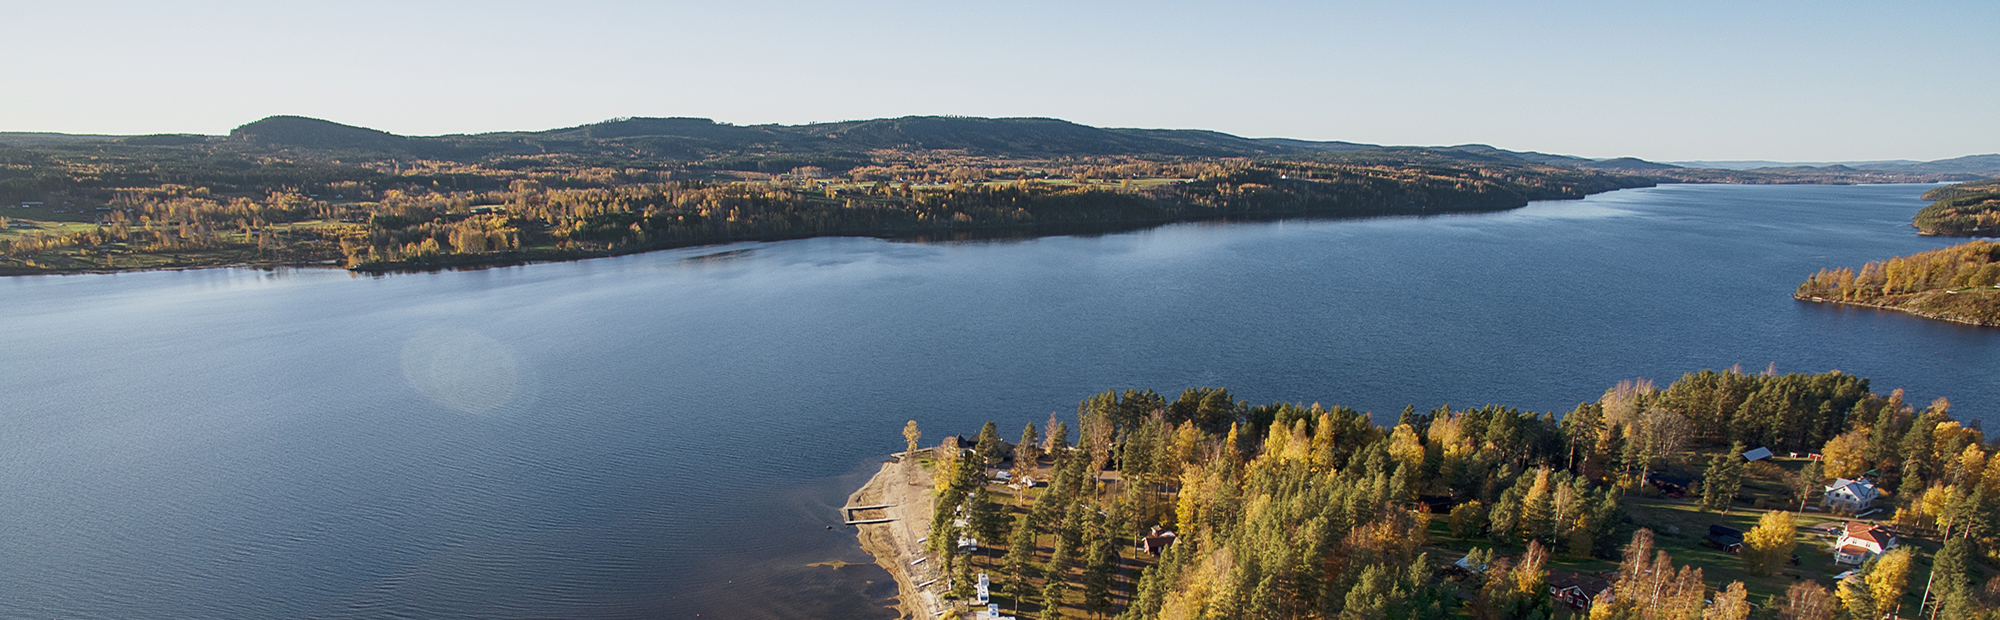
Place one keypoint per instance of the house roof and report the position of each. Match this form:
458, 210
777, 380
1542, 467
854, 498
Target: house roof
1853, 550
1590, 586
1867, 532
1757, 454
1858, 487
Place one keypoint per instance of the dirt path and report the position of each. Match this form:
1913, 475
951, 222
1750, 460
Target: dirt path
904, 484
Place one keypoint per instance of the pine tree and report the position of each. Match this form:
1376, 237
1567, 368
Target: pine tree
1808, 484
1052, 594
1951, 573
1724, 478
988, 444
1020, 559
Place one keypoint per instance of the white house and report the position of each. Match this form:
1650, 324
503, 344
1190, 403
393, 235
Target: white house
1851, 495
1861, 541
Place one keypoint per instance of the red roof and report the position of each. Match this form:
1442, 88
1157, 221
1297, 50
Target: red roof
1867, 532
1853, 550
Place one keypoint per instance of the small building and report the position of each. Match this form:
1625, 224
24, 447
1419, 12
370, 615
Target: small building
1576, 591
1757, 454
1861, 541
1673, 486
1725, 543
1725, 538
985, 589
1850, 495
1157, 540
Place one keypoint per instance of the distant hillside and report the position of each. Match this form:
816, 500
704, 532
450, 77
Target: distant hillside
1987, 165
1979, 165
35, 138
312, 133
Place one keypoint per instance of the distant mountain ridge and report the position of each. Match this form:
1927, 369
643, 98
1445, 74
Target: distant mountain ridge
697, 138
846, 142
1983, 165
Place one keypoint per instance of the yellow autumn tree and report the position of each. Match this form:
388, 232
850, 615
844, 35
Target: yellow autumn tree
1879, 590
1406, 447
1733, 603
1770, 543
1846, 455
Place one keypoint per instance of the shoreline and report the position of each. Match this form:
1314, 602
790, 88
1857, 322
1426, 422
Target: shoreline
469, 262
903, 484
1910, 311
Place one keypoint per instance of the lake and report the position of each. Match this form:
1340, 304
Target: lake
669, 434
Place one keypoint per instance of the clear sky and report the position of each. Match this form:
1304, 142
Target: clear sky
1687, 79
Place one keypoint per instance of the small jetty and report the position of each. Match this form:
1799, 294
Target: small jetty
848, 517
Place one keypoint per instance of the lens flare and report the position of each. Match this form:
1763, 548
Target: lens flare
461, 369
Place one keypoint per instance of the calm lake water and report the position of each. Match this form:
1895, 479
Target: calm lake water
668, 434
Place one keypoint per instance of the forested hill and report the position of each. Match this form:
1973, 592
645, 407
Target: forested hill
693, 138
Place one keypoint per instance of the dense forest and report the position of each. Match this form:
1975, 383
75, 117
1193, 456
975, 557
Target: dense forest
1962, 210
1957, 283
1305, 511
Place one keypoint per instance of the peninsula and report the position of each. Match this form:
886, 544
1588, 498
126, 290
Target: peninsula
1962, 210
1717, 494
1954, 284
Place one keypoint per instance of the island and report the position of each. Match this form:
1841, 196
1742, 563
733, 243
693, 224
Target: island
1962, 210
1723, 496
1956, 284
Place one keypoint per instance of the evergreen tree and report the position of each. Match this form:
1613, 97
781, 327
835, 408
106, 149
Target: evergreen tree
1724, 478
1807, 486
1019, 563
985, 521
988, 444
1052, 594
1951, 573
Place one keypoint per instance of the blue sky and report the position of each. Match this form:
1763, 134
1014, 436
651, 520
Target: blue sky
1800, 81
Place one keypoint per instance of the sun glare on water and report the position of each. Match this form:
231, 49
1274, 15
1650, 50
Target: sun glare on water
461, 369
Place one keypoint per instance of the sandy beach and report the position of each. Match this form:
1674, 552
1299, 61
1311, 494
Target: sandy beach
906, 488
